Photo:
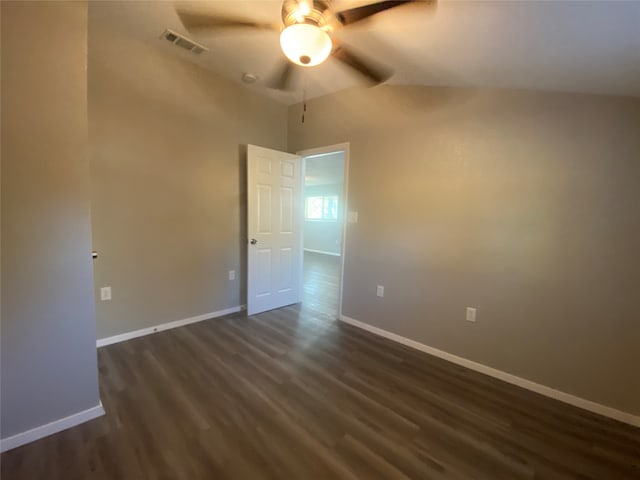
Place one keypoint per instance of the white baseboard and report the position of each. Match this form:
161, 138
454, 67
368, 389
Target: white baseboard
322, 252
50, 428
504, 376
101, 342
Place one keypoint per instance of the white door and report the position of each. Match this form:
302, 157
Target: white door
274, 189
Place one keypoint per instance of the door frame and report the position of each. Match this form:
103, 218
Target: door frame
338, 147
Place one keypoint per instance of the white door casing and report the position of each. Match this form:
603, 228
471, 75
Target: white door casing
345, 148
274, 191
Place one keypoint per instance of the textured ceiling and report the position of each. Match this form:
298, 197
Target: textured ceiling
578, 46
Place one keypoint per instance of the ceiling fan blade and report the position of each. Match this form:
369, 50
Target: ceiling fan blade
283, 80
353, 15
374, 73
203, 21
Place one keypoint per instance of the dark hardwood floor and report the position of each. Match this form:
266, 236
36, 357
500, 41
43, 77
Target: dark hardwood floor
292, 394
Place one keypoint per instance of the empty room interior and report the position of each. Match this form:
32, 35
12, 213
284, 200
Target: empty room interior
311, 239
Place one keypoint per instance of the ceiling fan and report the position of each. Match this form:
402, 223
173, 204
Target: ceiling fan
307, 34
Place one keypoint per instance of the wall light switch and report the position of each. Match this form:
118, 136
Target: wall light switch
471, 314
352, 217
380, 291
105, 293
232, 274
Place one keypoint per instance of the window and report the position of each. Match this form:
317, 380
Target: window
321, 208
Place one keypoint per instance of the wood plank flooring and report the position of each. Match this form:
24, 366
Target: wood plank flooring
320, 284
292, 394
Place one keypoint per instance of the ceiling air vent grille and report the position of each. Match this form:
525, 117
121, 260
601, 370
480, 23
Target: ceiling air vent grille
184, 42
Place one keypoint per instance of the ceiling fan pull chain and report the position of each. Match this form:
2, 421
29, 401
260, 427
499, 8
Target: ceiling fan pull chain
304, 102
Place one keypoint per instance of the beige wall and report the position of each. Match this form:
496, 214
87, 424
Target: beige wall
167, 183
49, 367
525, 205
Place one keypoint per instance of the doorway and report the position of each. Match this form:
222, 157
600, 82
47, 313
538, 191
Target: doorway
324, 207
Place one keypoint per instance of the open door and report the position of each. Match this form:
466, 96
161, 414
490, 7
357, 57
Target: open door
274, 189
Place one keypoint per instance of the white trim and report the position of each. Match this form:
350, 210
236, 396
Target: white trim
322, 252
51, 428
504, 376
345, 148
102, 342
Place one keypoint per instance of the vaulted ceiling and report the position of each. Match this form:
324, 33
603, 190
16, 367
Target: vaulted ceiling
580, 46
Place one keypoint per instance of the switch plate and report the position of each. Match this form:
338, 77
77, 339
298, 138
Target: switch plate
232, 274
471, 314
352, 217
105, 293
380, 291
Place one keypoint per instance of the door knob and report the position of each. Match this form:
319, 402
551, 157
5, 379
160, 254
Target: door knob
253, 241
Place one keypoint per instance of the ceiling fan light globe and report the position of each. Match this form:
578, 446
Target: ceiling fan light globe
305, 45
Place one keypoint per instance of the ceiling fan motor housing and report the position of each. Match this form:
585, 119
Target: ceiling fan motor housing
313, 12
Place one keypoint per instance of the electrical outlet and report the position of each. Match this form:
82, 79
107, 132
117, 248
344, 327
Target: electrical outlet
471, 314
232, 274
380, 291
105, 293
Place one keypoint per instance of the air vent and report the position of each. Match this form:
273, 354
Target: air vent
184, 42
